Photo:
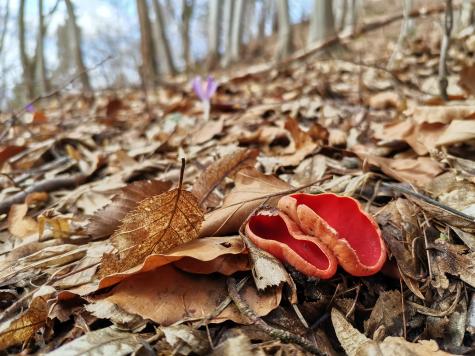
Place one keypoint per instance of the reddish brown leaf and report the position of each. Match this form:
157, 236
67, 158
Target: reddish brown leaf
106, 220
227, 166
156, 225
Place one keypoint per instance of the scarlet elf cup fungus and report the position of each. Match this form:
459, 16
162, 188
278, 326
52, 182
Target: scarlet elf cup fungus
314, 233
274, 232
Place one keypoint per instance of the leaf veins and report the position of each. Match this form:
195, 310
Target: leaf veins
157, 224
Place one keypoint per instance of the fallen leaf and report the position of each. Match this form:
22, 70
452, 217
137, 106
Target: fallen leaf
106, 220
107, 341
457, 131
26, 325
386, 316
385, 100
188, 338
8, 152
156, 225
419, 171
205, 255
467, 79
227, 166
250, 184
19, 224
207, 131
168, 295
356, 344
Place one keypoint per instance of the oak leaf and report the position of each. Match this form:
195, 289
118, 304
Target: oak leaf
156, 225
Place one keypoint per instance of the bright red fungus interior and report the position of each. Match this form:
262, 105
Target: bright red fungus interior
345, 216
274, 228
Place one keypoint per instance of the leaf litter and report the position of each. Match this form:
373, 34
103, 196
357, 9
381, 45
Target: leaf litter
109, 244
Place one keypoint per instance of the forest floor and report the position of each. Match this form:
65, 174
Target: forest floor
123, 217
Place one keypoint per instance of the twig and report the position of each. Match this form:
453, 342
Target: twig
47, 185
449, 21
282, 335
428, 200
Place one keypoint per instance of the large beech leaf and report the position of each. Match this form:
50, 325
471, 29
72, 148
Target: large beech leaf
106, 220
227, 166
156, 225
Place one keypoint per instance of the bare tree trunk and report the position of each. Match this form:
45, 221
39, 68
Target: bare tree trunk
78, 56
444, 50
284, 45
163, 46
405, 26
261, 25
26, 63
41, 65
322, 25
5, 19
228, 19
213, 30
149, 68
236, 36
340, 11
351, 17
186, 13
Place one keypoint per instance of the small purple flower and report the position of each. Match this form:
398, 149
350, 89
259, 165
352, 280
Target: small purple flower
204, 89
30, 108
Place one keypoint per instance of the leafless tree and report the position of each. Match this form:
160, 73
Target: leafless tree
237, 28
40, 54
322, 24
27, 62
4, 25
148, 68
186, 14
214, 14
75, 33
228, 17
164, 53
284, 45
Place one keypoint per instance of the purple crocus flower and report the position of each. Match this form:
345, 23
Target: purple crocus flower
204, 89
30, 108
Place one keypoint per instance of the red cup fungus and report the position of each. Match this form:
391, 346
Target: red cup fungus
314, 233
273, 231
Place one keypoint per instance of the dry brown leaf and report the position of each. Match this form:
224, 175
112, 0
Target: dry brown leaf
385, 100
467, 79
454, 260
356, 344
24, 327
441, 114
250, 184
227, 166
207, 131
9, 151
19, 224
457, 131
106, 220
386, 315
158, 224
168, 295
205, 255
419, 171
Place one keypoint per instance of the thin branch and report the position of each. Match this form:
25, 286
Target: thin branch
280, 334
448, 25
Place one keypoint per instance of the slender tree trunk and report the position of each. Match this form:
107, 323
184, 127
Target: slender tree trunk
186, 14
77, 50
149, 68
237, 29
228, 19
26, 62
43, 80
322, 25
351, 18
261, 25
340, 10
163, 46
213, 30
284, 45
5, 19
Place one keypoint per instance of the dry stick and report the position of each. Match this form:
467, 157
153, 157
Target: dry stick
449, 21
282, 335
428, 200
47, 185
